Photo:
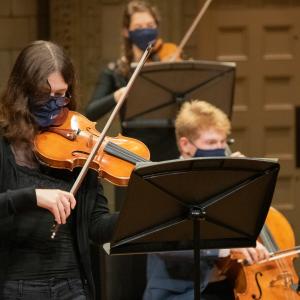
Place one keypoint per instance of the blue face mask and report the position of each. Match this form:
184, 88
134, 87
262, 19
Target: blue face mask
142, 37
209, 153
47, 114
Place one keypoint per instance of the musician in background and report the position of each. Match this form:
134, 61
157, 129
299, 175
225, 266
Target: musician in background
201, 131
140, 26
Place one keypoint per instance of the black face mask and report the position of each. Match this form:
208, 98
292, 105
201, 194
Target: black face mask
142, 37
210, 153
46, 115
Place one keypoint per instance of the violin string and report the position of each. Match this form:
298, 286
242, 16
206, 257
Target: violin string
123, 153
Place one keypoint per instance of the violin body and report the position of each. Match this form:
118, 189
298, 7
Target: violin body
273, 280
165, 51
69, 145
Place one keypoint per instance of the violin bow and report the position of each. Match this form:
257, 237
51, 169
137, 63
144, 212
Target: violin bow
190, 30
100, 139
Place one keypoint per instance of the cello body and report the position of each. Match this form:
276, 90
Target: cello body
271, 280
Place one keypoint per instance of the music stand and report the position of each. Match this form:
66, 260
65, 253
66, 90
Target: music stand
162, 87
192, 204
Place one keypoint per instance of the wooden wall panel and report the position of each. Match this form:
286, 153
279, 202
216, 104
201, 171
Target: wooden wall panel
262, 37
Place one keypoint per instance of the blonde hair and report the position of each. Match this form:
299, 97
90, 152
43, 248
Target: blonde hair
196, 115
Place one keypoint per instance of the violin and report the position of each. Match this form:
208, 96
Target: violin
67, 146
272, 279
165, 51
176, 52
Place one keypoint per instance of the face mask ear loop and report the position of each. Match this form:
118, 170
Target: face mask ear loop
193, 143
188, 153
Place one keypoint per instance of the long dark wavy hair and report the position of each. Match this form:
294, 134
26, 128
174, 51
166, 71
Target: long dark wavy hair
28, 84
123, 64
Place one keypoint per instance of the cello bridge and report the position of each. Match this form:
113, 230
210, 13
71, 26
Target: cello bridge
284, 279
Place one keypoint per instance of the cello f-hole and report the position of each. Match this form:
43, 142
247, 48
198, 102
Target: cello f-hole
258, 286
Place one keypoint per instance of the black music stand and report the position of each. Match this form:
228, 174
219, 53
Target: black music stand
162, 87
194, 203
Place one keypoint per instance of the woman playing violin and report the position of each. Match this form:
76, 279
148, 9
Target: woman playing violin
140, 26
39, 93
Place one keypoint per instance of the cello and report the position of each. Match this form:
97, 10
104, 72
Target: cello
274, 278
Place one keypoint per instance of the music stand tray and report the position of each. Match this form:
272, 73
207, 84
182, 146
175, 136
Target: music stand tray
194, 203
162, 87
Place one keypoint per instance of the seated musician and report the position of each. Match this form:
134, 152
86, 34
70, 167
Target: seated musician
140, 26
201, 131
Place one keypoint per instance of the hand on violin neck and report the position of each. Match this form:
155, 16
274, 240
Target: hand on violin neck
58, 202
250, 256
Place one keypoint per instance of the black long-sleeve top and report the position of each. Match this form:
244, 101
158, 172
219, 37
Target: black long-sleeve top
21, 227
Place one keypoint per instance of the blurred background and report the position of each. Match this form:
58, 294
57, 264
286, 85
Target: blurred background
261, 36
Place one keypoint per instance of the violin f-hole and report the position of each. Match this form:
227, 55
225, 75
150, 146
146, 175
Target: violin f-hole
79, 153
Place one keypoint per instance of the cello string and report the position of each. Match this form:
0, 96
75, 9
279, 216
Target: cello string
282, 266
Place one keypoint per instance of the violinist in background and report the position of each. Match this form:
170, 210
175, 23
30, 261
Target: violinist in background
140, 26
201, 131
39, 93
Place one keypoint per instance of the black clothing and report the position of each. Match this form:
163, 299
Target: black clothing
54, 289
35, 255
103, 98
160, 141
162, 145
91, 218
171, 274
219, 290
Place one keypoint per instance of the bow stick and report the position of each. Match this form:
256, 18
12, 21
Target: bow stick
100, 139
190, 30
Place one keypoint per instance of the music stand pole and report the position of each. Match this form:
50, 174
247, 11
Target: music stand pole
195, 215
